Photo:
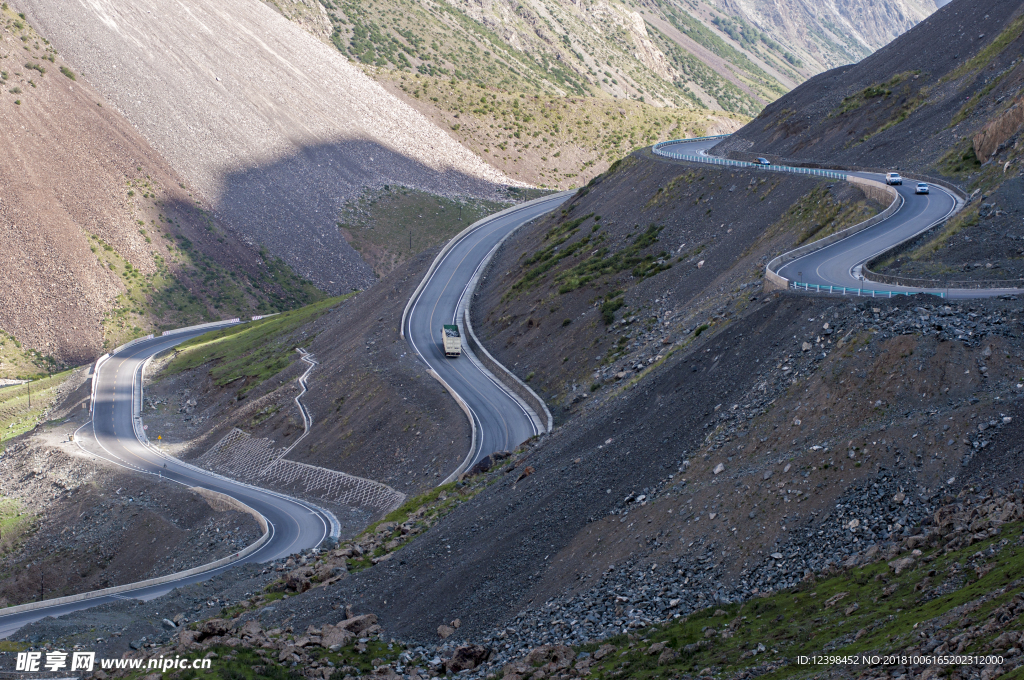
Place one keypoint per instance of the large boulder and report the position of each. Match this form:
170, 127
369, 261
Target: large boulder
335, 636
359, 624
467, 657
212, 627
298, 580
559, 655
250, 628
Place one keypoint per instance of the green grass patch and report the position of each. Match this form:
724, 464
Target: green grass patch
878, 91
960, 160
15, 522
188, 287
21, 406
817, 215
390, 225
255, 351
967, 109
18, 362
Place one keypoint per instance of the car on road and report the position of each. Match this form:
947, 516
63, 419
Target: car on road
922, 188
763, 161
893, 178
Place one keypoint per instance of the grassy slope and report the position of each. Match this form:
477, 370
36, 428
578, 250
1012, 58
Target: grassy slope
389, 226
22, 405
164, 299
22, 363
437, 54
550, 141
253, 352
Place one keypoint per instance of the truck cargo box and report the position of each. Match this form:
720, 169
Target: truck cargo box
451, 340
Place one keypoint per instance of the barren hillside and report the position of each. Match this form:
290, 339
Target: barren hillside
101, 240
271, 126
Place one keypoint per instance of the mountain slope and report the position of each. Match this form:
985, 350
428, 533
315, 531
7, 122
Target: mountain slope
274, 128
681, 65
909, 104
100, 240
831, 33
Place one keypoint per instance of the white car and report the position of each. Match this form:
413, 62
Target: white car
893, 178
922, 188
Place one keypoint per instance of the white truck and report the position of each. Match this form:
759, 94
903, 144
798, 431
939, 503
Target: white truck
451, 340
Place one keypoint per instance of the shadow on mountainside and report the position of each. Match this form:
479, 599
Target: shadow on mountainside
291, 205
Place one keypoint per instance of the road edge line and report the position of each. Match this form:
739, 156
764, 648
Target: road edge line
472, 423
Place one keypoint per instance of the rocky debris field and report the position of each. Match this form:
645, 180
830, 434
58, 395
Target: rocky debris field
119, 627
905, 395
276, 132
949, 585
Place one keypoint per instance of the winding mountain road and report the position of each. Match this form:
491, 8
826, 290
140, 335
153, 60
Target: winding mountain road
838, 265
501, 419
292, 525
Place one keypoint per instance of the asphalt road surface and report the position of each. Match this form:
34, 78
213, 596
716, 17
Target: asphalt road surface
502, 422
838, 264
293, 525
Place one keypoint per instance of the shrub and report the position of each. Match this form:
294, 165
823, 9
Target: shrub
68, 72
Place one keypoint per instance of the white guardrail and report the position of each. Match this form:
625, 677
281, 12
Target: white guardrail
714, 160
861, 292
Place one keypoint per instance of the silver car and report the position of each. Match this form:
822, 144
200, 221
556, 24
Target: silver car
922, 188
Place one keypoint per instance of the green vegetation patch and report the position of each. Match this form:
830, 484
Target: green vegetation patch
503, 125
818, 214
18, 362
868, 609
599, 263
390, 225
254, 352
15, 522
604, 263
960, 160
21, 406
879, 91
188, 287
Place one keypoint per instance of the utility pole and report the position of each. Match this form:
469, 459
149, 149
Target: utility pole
40, 583
28, 386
